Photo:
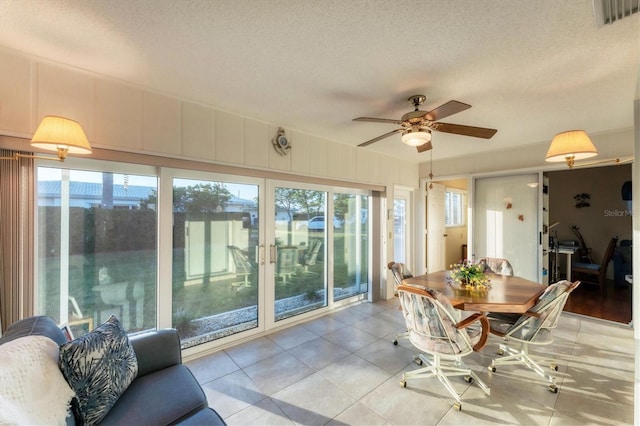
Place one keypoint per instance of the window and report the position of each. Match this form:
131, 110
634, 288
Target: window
96, 248
454, 204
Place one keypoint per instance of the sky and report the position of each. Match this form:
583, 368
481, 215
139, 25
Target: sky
245, 191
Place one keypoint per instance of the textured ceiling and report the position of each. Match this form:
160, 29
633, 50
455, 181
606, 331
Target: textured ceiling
529, 68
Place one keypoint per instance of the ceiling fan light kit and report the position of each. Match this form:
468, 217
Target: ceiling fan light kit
570, 146
417, 126
416, 137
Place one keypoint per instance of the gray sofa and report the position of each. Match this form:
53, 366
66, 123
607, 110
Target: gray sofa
164, 391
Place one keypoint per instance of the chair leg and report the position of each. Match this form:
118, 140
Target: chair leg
435, 368
522, 357
402, 335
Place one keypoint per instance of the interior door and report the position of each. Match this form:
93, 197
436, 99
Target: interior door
435, 228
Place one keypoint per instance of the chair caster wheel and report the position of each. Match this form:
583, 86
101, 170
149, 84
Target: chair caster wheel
395, 342
417, 360
492, 369
553, 388
500, 352
554, 367
457, 406
468, 379
403, 383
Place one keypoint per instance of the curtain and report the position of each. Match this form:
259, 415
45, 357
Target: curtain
17, 198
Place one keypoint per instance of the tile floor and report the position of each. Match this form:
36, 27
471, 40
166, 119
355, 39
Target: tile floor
342, 369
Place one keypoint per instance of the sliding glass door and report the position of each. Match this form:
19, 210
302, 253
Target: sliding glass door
298, 250
209, 254
215, 265
305, 236
350, 245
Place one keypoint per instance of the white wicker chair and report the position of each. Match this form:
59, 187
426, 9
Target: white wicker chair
497, 265
434, 329
400, 272
534, 327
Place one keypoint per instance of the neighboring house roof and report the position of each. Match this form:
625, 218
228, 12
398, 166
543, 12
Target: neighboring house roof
132, 193
93, 190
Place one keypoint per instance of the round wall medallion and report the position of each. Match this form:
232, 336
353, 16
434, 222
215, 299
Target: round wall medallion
281, 143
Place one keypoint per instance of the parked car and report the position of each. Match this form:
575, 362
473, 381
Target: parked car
316, 223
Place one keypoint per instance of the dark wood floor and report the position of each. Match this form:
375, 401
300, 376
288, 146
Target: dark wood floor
587, 300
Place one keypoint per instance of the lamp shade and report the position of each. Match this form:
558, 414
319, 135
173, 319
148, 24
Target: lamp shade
62, 135
416, 137
569, 146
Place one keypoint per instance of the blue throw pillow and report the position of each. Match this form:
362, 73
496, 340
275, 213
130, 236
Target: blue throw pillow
99, 366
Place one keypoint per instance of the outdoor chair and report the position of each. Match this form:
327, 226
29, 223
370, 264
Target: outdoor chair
286, 263
443, 340
534, 327
311, 255
243, 267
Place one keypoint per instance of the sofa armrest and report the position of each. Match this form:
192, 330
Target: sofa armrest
156, 350
34, 326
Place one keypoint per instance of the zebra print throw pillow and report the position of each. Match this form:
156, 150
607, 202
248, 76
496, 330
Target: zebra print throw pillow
99, 366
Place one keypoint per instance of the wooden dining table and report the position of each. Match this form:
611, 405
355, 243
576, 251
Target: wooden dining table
507, 294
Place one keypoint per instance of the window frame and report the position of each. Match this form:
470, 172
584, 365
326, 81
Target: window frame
462, 205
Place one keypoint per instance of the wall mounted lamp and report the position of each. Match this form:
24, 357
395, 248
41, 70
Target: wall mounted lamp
570, 146
59, 134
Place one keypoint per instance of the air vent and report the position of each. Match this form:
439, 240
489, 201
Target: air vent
609, 11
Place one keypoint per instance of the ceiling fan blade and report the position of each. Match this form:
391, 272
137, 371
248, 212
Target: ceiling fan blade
424, 147
386, 135
459, 129
378, 120
445, 110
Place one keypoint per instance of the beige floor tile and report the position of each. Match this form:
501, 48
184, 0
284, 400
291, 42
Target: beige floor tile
350, 338
349, 315
251, 352
292, 337
264, 413
358, 415
312, 401
232, 393
276, 373
324, 325
319, 353
211, 367
603, 406
409, 406
387, 356
377, 326
355, 375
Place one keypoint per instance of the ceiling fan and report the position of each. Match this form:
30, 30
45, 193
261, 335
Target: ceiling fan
416, 126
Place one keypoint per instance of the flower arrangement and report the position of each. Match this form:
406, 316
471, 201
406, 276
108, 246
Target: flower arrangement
470, 275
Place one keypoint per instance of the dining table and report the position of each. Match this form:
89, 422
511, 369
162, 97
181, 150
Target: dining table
506, 294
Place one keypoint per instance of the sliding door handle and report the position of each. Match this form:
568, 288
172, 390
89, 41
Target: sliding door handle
273, 253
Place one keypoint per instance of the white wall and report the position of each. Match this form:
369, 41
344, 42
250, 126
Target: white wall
122, 117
